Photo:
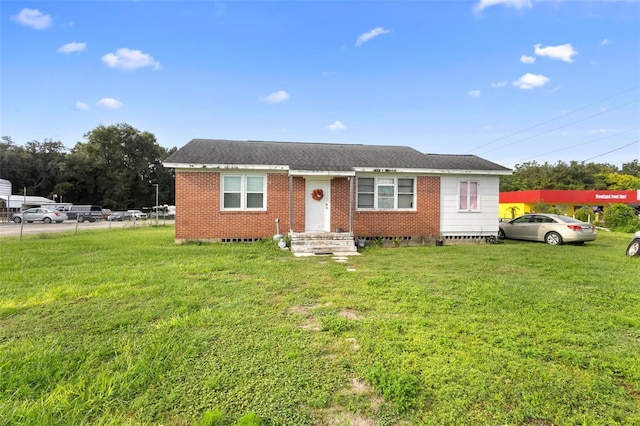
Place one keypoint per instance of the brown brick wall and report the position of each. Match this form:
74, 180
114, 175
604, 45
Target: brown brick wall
199, 215
423, 222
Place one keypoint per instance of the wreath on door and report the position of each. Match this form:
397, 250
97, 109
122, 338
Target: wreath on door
317, 194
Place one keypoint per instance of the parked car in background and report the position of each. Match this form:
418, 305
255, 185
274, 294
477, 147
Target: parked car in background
634, 246
106, 213
39, 214
137, 214
553, 229
120, 216
85, 212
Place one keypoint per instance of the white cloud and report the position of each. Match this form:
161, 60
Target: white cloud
527, 59
371, 34
563, 52
109, 103
530, 81
605, 41
72, 47
499, 84
33, 18
518, 4
336, 126
474, 93
128, 59
276, 97
600, 131
82, 106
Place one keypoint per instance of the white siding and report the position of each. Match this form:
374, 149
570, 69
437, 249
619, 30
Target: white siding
454, 222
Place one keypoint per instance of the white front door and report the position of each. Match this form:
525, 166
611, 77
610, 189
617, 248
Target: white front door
318, 205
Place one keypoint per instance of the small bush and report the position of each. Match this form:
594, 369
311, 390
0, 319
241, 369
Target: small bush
621, 217
583, 214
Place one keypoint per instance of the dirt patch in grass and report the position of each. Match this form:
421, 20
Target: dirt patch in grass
360, 386
311, 324
355, 346
350, 419
349, 314
303, 309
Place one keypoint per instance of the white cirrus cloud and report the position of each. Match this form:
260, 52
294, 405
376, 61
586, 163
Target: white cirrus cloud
33, 18
499, 84
363, 38
563, 52
72, 47
474, 93
527, 59
81, 106
518, 4
605, 41
530, 81
109, 103
276, 97
129, 59
336, 126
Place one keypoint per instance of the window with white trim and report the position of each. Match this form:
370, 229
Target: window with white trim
243, 192
386, 193
469, 200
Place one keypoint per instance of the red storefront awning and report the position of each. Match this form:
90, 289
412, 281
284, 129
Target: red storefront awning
557, 196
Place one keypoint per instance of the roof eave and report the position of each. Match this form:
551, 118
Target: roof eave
298, 172
195, 166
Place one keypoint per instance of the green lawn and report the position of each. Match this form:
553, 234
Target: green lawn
124, 327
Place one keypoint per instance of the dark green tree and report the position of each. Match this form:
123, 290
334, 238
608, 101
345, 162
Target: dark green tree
117, 168
37, 166
573, 175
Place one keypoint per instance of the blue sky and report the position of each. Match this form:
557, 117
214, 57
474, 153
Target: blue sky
508, 80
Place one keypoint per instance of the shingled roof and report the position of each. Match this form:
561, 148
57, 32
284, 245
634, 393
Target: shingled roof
320, 156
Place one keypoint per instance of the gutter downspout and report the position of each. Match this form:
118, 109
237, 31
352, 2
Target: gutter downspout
351, 204
290, 205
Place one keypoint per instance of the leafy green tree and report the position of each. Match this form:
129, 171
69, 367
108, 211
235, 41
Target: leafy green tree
117, 167
37, 166
632, 168
622, 181
568, 176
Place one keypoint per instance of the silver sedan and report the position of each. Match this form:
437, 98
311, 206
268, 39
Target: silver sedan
634, 246
553, 229
39, 214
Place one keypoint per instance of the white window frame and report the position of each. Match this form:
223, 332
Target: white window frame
379, 181
466, 195
243, 192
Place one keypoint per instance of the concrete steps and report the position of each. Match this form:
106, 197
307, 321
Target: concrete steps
317, 243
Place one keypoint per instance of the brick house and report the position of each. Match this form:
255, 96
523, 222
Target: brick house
242, 190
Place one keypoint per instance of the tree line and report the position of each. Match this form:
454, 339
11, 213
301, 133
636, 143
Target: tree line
573, 175
116, 167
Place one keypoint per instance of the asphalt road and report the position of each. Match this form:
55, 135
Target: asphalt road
13, 229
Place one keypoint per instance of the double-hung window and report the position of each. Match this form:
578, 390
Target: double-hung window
243, 192
468, 196
386, 193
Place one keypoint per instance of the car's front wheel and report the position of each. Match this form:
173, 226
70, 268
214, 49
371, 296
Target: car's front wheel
501, 234
47, 220
17, 220
553, 238
634, 248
